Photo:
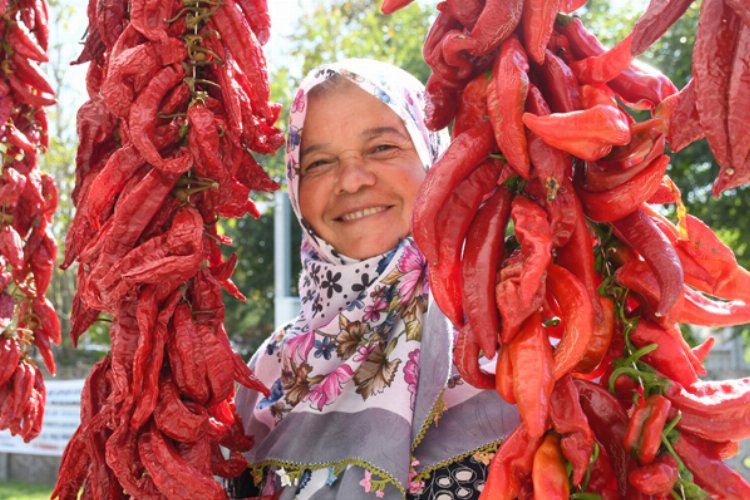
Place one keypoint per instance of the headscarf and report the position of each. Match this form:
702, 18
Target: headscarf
359, 378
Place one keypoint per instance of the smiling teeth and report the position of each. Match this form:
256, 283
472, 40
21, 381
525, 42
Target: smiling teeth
362, 213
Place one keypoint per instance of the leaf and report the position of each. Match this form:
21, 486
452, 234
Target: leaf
414, 330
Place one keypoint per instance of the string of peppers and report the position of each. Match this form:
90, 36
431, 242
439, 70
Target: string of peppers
178, 106
547, 253
28, 200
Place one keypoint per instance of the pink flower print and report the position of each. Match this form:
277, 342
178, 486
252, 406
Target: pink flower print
363, 353
413, 265
365, 483
298, 348
380, 493
411, 375
299, 102
372, 312
330, 387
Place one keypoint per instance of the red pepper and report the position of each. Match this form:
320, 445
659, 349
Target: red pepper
10, 354
538, 20
504, 375
653, 23
256, 13
149, 17
142, 120
170, 472
461, 157
609, 422
483, 253
681, 118
588, 134
548, 471
701, 310
533, 381
602, 479
472, 108
710, 473
622, 200
671, 357
657, 478
624, 162
568, 420
29, 73
715, 410
174, 418
643, 438
637, 276
715, 42
453, 222
511, 465
466, 359
638, 87
244, 46
559, 83
496, 22
577, 318
465, 12
606, 66
506, 97
521, 288
739, 98
441, 98
391, 6
24, 45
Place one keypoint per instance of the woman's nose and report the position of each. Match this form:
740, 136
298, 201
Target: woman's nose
353, 174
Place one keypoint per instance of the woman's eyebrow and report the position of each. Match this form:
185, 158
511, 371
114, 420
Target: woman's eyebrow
377, 131
311, 149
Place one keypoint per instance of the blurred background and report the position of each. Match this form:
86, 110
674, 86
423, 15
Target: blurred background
304, 34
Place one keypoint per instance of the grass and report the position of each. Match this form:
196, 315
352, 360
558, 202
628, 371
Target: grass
17, 490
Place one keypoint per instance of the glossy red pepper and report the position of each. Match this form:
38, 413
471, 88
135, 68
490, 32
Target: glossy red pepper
533, 380
710, 473
701, 310
538, 20
609, 422
461, 157
484, 250
577, 318
680, 117
671, 357
466, 359
548, 471
506, 98
657, 478
643, 438
472, 107
588, 134
559, 83
568, 420
496, 22
391, 6
511, 465
718, 32
521, 288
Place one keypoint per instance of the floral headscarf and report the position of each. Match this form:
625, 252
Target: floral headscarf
358, 379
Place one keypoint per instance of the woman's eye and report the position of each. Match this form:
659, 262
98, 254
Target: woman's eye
381, 148
315, 165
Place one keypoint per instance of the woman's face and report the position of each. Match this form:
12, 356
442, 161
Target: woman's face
359, 172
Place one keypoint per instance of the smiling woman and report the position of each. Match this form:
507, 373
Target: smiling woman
359, 174
360, 378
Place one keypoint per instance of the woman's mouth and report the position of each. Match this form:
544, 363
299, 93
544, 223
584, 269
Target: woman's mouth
360, 214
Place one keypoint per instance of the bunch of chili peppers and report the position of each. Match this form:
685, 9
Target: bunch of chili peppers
547, 255
28, 199
178, 104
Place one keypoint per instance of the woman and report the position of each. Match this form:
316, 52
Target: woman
365, 401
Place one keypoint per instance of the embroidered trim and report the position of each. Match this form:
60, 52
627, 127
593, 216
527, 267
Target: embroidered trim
294, 471
486, 448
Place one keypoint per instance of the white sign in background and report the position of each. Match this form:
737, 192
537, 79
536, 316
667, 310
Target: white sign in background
61, 419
